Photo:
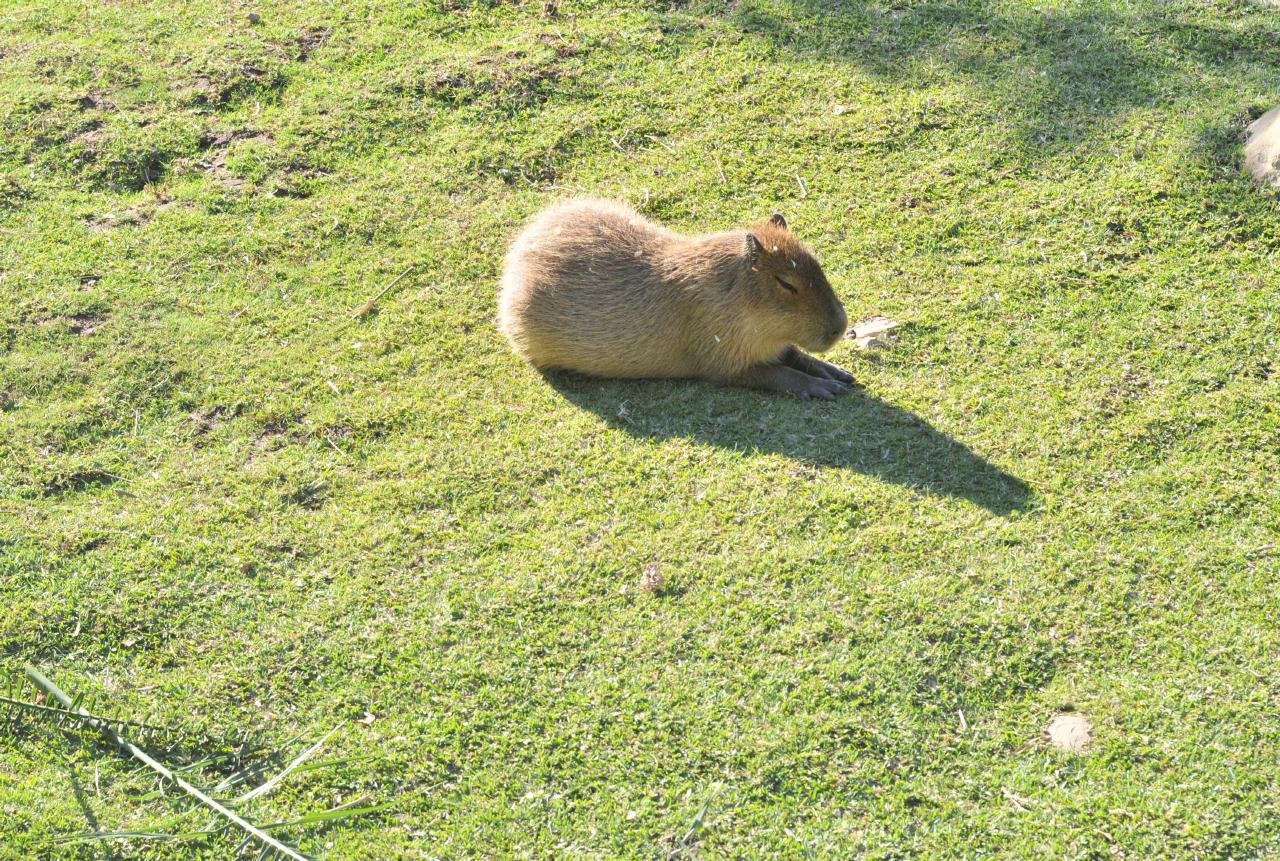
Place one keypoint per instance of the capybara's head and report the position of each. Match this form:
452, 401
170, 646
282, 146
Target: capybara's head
792, 286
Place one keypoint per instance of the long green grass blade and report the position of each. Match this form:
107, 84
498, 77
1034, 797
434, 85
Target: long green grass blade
249, 772
39, 680
93, 836
696, 825
297, 761
342, 811
85, 715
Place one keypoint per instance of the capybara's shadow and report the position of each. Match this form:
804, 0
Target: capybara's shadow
857, 432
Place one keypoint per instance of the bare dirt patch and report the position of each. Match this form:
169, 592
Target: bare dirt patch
310, 40
513, 79
136, 215
108, 221
310, 495
90, 137
209, 420
94, 102
280, 432
85, 325
77, 481
217, 150
12, 192
217, 88
563, 47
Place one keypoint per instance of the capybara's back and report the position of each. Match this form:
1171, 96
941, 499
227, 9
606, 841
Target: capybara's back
581, 292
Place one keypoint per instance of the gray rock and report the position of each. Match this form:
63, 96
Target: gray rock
1262, 150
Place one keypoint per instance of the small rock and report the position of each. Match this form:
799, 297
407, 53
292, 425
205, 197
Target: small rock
1071, 733
254, 17
838, 110
1262, 150
652, 579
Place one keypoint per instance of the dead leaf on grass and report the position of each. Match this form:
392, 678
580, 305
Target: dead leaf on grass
1022, 804
652, 579
878, 333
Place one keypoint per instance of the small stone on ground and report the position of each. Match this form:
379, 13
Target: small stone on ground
1071, 733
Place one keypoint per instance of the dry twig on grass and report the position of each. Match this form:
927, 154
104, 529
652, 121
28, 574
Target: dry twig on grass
363, 310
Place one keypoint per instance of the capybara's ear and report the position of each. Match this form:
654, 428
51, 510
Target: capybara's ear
778, 221
753, 249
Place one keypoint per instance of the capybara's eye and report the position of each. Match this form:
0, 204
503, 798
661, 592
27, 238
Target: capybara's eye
785, 286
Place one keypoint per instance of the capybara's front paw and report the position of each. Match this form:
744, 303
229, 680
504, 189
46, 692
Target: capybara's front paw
836, 372
827, 390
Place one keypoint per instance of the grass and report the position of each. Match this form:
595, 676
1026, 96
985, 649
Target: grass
226, 505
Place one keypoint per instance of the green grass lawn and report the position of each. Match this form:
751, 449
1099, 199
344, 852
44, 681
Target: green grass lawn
228, 506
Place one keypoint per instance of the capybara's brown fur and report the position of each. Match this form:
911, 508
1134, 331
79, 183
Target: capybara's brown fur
592, 286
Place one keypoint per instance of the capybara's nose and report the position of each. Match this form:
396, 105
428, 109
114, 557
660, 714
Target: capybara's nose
837, 328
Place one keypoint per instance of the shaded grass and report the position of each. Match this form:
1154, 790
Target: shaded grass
1056, 493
